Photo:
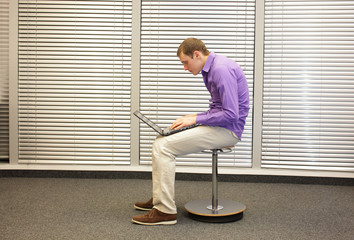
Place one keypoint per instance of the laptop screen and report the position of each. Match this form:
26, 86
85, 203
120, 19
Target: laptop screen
148, 122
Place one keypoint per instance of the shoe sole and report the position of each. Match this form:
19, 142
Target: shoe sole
142, 209
157, 223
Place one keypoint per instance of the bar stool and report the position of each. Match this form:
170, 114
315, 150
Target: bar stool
215, 210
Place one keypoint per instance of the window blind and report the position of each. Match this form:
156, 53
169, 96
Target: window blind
74, 82
4, 80
167, 92
308, 85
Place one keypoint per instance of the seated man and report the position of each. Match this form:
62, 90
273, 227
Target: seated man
222, 125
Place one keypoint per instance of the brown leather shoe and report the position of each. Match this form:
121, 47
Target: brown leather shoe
146, 206
155, 217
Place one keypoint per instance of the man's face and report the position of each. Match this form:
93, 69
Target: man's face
193, 65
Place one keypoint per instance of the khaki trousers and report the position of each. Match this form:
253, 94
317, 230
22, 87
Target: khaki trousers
164, 151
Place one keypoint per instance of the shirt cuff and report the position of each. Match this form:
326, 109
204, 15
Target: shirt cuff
201, 118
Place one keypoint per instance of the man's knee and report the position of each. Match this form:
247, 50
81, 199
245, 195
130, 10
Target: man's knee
159, 145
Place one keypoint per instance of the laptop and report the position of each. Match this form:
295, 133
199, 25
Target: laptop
163, 132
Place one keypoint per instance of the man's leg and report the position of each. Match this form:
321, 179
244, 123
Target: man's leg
164, 151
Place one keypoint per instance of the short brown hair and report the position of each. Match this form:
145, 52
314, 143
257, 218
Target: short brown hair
190, 45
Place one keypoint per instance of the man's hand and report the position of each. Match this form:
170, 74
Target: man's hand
184, 121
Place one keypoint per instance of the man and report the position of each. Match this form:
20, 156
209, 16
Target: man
222, 125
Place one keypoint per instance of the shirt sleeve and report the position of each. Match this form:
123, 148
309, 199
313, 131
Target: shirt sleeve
225, 108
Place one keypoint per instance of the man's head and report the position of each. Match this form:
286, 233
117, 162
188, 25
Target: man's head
190, 45
193, 54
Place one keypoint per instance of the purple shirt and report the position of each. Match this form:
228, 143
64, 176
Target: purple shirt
229, 103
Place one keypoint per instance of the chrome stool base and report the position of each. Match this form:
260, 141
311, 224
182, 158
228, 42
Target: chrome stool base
210, 207
231, 211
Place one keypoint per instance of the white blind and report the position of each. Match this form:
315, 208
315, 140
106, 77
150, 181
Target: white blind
167, 92
4, 80
74, 81
309, 85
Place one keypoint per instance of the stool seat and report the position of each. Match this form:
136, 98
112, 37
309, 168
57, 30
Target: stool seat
223, 149
215, 210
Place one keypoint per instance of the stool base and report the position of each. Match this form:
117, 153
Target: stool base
231, 211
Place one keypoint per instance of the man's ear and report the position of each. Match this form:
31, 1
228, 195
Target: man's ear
197, 54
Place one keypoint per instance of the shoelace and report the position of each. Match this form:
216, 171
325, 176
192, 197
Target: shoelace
151, 213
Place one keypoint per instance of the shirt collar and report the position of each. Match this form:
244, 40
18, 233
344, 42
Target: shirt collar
208, 62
